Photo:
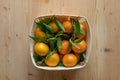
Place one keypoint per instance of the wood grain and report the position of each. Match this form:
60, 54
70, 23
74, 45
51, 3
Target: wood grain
16, 17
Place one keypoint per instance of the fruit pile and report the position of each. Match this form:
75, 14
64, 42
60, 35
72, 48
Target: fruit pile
59, 41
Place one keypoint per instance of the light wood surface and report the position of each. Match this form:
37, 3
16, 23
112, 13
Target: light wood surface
16, 17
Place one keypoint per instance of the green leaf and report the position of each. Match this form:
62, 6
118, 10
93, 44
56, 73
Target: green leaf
83, 57
74, 31
59, 43
60, 63
36, 39
79, 40
54, 51
48, 27
39, 62
51, 39
59, 24
59, 33
37, 57
46, 20
40, 25
47, 55
44, 27
72, 43
80, 22
73, 36
48, 35
82, 31
52, 44
50, 53
76, 27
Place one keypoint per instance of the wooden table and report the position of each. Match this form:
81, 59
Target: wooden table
16, 17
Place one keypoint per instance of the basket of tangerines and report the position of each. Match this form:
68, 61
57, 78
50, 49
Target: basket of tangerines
59, 42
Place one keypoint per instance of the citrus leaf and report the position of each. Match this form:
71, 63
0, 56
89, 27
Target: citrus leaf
82, 31
46, 20
59, 33
39, 62
48, 27
50, 53
52, 44
73, 36
36, 39
59, 24
47, 55
49, 35
72, 43
76, 28
40, 25
60, 63
37, 57
78, 25
83, 57
44, 27
79, 40
59, 43
51, 39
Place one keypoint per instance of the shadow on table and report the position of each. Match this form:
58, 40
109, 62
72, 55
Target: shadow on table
77, 74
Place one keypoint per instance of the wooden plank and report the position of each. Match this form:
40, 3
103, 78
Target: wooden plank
16, 17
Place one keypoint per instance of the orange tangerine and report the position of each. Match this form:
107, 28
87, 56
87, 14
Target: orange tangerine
68, 26
54, 27
69, 60
41, 48
52, 60
82, 47
39, 33
65, 47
